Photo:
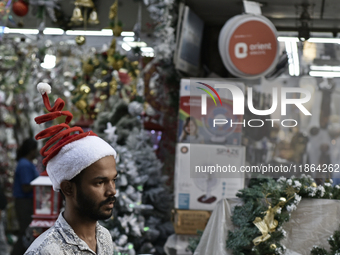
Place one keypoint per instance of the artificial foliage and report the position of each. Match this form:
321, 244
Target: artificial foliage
265, 197
141, 218
334, 242
259, 198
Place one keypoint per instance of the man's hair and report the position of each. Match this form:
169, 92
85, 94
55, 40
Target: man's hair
77, 180
27, 146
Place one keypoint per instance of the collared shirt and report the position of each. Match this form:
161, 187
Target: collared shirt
62, 240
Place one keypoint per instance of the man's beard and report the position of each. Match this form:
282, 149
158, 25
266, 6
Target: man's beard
89, 208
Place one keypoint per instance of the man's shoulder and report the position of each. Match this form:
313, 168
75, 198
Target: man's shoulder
47, 243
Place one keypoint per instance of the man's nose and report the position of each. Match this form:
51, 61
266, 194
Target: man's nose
111, 189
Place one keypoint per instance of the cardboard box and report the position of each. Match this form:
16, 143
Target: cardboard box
195, 127
202, 190
187, 222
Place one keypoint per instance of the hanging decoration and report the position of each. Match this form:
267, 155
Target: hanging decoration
40, 6
78, 18
115, 24
20, 8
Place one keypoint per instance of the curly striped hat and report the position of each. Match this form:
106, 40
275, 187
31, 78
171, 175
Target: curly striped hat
66, 154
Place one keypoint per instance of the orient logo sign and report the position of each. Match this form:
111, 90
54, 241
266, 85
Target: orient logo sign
253, 47
248, 46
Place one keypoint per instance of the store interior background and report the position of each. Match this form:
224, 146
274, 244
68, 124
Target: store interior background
292, 19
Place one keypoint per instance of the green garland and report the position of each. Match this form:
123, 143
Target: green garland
334, 242
260, 190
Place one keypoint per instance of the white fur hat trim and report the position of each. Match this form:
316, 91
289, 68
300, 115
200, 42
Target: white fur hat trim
75, 157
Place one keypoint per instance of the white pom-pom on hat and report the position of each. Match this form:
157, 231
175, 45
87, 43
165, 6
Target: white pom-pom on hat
44, 88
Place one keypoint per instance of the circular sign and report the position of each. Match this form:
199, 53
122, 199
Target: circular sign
248, 46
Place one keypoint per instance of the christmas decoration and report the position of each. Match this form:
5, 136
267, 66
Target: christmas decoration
40, 6
20, 8
286, 194
334, 242
141, 219
115, 24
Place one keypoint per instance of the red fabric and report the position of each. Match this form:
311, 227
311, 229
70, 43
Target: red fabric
53, 146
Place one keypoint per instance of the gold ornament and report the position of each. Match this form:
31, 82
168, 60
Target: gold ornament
85, 89
120, 64
268, 224
21, 81
103, 97
93, 19
114, 64
113, 10
84, 3
273, 246
81, 104
117, 30
97, 84
104, 72
113, 91
313, 185
290, 191
96, 62
113, 82
88, 68
80, 40
77, 17
104, 84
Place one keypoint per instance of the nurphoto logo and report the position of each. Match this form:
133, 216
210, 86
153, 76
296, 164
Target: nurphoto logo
238, 99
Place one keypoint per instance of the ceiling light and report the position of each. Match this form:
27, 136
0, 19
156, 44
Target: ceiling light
325, 68
285, 39
104, 32
147, 49
324, 74
23, 31
126, 33
137, 44
324, 40
53, 31
126, 47
128, 39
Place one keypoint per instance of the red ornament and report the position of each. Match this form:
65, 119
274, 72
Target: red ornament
20, 8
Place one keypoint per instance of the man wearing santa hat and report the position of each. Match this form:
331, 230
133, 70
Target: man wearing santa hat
82, 167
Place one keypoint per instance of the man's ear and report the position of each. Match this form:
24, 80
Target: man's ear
67, 188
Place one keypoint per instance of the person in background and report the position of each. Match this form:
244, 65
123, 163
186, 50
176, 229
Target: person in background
3, 239
190, 133
25, 172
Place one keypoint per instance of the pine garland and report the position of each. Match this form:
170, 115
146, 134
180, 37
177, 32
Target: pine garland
334, 242
256, 202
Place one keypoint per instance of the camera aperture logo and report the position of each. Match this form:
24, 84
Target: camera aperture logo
238, 99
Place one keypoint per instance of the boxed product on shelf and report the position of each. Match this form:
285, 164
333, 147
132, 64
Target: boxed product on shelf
202, 176
201, 104
188, 222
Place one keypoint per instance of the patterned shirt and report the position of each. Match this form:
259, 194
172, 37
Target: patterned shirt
62, 240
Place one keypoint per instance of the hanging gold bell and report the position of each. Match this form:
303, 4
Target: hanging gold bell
93, 19
113, 10
84, 3
77, 17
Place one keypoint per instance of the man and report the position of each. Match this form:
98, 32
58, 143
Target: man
81, 166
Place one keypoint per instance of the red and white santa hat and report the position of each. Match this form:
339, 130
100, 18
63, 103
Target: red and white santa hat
67, 155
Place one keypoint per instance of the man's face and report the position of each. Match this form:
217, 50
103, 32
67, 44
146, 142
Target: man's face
96, 190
